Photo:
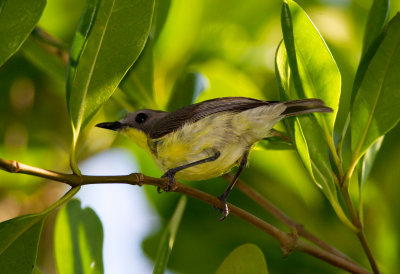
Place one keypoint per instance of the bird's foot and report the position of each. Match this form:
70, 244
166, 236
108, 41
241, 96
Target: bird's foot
170, 174
224, 210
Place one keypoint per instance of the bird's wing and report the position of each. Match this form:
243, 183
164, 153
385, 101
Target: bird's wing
195, 112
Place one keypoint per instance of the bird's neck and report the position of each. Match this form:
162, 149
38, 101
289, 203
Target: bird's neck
137, 136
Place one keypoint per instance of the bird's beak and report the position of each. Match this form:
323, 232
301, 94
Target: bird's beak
111, 125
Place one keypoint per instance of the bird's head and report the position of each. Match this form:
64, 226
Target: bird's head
136, 125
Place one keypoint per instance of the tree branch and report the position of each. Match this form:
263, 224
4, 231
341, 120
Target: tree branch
290, 223
288, 242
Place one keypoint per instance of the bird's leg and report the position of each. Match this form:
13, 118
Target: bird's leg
225, 210
170, 174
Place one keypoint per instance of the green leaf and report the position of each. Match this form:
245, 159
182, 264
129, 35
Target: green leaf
160, 16
17, 20
186, 90
377, 18
313, 152
168, 237
138, 82
19, 240
315, 73
310, 143
109, 39
373, 37
376, 107
366, 166
78, 239
247, 258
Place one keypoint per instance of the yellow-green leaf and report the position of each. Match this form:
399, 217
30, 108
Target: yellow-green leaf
78, 240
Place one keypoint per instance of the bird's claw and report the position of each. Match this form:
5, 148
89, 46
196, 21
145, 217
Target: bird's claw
224, 210
171, 181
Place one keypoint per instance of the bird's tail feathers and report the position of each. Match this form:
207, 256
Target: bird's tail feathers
304, 106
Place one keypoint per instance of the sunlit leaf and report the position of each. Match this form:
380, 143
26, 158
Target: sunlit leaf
168, 237
315, 73
19, 240
14, 32
109, 39
376, 107
247, 258
78, 239
186, 90
308, 138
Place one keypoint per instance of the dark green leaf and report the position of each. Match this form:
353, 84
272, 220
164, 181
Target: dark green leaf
168, 237
376, 107
109, 39
377, 18
17, 20
78, 239
373, 37
315, 73
247, 258
19, 240
186, 90
138, 82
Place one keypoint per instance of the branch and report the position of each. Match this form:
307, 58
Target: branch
288, 242
278, 214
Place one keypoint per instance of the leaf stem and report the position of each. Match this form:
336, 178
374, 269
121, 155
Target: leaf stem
360, 233
288, 241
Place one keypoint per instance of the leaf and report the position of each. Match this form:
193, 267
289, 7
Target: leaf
168, 237
17, 20
78, 240
373, 37
315, 73
377, 18
138, 82
109, 39
376, 107
313, 152
186, 90
366, 166
19, 241
161, 10
310, 143
247, 258
19, 238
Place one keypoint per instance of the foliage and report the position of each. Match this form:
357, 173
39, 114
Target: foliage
156, 54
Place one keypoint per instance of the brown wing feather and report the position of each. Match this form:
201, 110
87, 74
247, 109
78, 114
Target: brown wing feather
195, 112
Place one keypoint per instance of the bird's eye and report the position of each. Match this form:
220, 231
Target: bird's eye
140, 118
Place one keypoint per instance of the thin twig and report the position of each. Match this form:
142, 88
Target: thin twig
288, 242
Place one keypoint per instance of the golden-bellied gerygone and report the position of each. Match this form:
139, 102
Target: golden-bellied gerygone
205, 140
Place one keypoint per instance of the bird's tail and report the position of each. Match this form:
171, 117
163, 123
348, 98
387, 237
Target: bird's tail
303, 106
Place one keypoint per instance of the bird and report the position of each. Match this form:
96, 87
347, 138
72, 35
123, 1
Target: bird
206, 140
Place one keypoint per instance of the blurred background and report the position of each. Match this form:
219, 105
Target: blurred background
219, 48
